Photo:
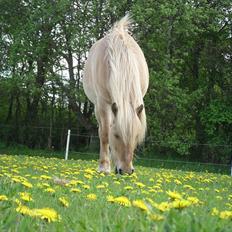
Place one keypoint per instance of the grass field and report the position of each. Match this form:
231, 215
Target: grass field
50, 194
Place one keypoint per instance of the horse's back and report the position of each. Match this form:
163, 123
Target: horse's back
97, 70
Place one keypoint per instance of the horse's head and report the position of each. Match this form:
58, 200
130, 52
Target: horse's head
126, 132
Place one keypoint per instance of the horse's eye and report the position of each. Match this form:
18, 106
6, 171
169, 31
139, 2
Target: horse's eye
116, 136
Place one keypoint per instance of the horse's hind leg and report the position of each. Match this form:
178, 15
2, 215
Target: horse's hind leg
104, 161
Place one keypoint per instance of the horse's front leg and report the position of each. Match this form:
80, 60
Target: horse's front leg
104, 162
103, 131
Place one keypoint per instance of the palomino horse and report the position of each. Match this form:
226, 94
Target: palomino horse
116, 80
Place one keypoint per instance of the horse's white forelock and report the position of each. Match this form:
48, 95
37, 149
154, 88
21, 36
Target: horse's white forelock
124, 80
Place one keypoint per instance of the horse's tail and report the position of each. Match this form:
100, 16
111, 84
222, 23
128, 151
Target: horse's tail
123, 24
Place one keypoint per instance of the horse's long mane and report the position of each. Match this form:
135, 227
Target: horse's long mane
124, 78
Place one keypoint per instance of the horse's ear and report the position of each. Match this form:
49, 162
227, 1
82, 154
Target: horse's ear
139, 110
114, 109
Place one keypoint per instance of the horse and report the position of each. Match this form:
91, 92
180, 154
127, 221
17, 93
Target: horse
115, 80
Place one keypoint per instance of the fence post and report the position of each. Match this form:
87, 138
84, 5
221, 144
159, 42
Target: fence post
67, 145
231, 165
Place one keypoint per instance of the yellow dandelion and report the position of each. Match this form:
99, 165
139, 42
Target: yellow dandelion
45, 177
156, 217
88, 176
49, 190
122, 201
139, 184
91, 197
187, 186
128, 187
225, 214
23, 210
174, 195
177, 181
25, 196
194, 200
85, 186
47, 214
110, 198
180, 204
27, 184
3, 198
45, 185
101, 186
141, 205
117, 182
152, 191
64, 201
89, 171
214, 212
79, 182
75, 190
163, 206
18, 202
15, 179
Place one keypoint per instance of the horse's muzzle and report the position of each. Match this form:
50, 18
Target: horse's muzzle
121, 172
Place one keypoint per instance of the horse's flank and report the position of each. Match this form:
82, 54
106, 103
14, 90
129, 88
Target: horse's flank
116, 72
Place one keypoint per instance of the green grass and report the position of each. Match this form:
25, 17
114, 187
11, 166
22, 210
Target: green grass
151, 185
148, 160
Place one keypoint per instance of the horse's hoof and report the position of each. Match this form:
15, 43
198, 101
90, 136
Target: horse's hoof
105, 170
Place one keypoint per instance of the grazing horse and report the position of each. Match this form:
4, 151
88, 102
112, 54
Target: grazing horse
116, 80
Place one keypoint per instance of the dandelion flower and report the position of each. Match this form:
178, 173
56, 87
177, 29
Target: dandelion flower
25, 196
140, 185
174, 195
45, 177
156, 217
177, 181
75, 190
88, 176
187, 186
89, 171
122, 201
49, 190
180, 204
128, 187
110, 198
141, 205
194, 200
225, 214
64, 201
47, 214
117, 182
214, 212
45, 185
91, 197
3, 198
100, 186
163, 206
86, 186
24, 210
27, 184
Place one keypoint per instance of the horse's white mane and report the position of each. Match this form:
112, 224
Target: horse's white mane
124, 78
